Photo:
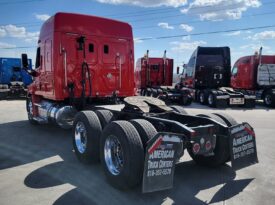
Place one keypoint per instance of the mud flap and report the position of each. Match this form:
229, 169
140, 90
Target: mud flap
162, 152
221, 103
243, 151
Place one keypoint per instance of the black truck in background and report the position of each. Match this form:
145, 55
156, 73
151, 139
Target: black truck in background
208, 74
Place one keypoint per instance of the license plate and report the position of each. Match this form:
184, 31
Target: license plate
237, 101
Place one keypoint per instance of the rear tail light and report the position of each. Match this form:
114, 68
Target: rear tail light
208, 145
196, 148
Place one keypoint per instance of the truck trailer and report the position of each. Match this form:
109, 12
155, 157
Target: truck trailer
256, 74
208, 74
154, 77
13, 79
82, 58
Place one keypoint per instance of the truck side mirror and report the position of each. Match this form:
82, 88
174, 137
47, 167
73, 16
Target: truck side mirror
178, 70
24, 60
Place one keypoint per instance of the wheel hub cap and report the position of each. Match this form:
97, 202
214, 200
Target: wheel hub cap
268, 99
201, 97
113, 155
30, 109
80, 137
210, 99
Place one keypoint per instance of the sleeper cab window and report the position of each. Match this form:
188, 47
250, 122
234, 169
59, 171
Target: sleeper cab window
106, 49
91, 48
155, 67
37, 62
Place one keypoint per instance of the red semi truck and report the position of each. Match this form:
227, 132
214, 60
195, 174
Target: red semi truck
154, 77
82, 60
256, 74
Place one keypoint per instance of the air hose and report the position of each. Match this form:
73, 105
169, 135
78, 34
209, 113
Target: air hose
85, 72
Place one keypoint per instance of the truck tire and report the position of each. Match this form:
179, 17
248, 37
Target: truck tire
145, 129
29, 111
214, 117
221, 151
143, 92
203, 97
211, 100
104, 116
86, 136
160, 91
148, 92
230, 121
185, 100
122, 154
250, 104
154, 93
269, 98
179, 109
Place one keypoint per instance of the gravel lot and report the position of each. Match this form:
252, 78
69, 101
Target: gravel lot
37, 166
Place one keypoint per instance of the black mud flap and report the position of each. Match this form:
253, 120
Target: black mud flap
221, 103
162, 152
243, 149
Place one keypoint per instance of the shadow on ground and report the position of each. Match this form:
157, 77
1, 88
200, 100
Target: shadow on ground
23, 143
14, 98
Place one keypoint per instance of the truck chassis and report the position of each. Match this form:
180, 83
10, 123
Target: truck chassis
143, 141
169, 95
225, 97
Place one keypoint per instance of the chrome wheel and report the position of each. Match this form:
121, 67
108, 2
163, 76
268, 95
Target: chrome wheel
210, 99
268, 99
113, 155
80, 137
30, 108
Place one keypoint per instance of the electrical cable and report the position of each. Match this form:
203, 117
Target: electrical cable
205, 33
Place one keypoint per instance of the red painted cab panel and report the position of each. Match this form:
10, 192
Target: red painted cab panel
151, 72
107, 48
244, 71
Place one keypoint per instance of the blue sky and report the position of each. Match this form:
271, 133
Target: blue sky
20, 22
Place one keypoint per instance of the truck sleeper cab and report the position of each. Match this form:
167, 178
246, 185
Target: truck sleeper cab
154, 77
74, 49
255, 74
208, 74
13, 79
80, 58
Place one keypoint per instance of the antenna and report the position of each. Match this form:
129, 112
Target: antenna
260, 55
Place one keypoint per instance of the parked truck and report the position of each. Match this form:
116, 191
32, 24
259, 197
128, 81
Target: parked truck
13, 79
256, 74
208, 74
81, 59
154, 77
